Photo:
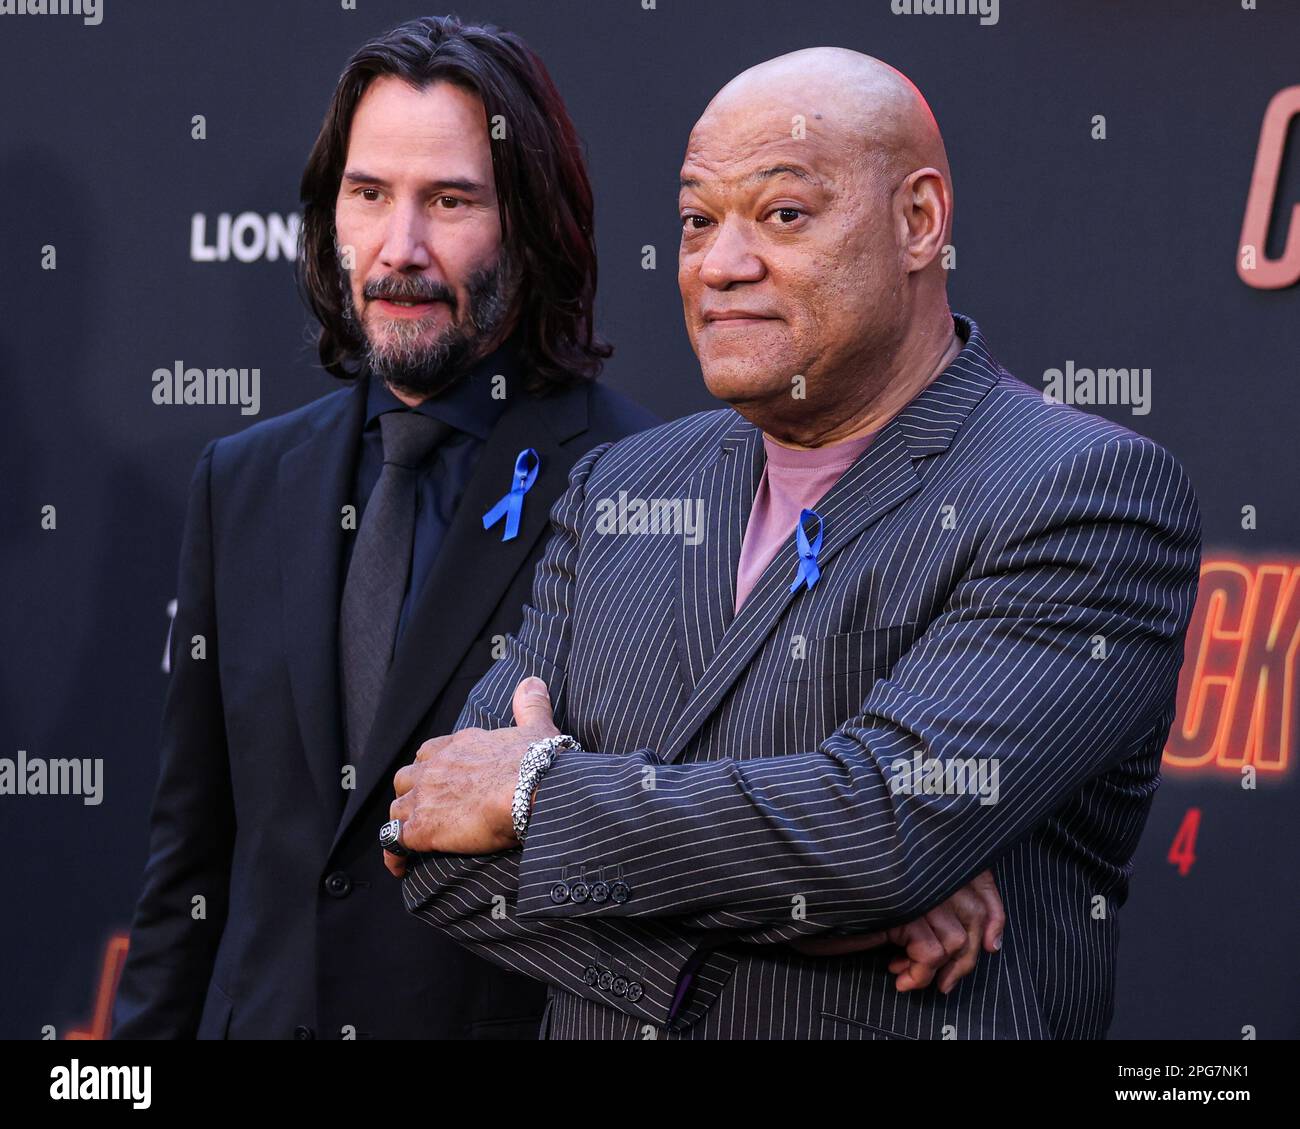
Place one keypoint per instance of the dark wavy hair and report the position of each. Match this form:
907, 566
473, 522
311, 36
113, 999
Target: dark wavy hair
543, 194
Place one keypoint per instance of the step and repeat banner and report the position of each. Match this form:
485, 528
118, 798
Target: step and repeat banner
1127, 236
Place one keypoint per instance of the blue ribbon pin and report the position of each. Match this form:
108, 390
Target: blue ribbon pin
809, 573
512, 505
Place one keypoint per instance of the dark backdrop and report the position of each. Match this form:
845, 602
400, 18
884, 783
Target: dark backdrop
1118, 253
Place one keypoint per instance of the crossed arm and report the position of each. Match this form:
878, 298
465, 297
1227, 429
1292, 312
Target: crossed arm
1105, 543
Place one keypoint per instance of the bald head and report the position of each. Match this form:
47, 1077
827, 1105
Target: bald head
815, 204
863, 103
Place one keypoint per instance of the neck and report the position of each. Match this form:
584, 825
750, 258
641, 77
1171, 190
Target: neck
407, 398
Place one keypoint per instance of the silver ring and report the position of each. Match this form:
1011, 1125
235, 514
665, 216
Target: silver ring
390, 838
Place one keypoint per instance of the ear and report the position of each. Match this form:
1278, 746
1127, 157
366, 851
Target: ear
926, 202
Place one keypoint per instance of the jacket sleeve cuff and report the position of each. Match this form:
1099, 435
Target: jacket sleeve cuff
568, 871
575, 863
653, 971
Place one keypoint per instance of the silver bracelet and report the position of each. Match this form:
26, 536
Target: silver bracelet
537, 760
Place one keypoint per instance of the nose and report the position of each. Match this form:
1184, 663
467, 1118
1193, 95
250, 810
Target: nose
405, 246
730, 258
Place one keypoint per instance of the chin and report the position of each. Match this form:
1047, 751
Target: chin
399, 329
739, 389
739, 381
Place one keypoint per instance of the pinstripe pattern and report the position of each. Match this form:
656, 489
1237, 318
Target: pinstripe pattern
976, 557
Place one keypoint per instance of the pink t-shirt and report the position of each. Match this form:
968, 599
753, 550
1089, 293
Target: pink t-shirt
792, 481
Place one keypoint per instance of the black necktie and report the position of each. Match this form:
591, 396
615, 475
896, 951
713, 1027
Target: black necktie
380, 571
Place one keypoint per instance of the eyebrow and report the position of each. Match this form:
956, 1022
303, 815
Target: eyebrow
455, 184
762, 174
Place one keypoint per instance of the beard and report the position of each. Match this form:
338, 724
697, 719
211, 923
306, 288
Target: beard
402, 358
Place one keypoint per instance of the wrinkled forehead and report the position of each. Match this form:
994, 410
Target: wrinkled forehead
734, 142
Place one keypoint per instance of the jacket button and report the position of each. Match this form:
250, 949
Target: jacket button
606, 979
619, 986
303, 1032
599, 892
338, 885
579, 892
619, 892
560, 893
590, 974
634, 992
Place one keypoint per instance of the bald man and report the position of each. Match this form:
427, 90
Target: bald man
799, 671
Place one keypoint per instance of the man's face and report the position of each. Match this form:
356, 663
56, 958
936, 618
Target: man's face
430, 289
796, 232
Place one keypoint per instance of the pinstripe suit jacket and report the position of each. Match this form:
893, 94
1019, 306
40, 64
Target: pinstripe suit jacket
1003, 581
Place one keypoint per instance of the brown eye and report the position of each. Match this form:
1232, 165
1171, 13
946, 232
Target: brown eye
788, 215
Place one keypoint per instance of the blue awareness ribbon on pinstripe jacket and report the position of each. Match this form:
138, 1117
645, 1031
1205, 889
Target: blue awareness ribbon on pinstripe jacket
809, 573
512, 504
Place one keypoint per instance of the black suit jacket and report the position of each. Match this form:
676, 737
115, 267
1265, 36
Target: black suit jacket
266, 910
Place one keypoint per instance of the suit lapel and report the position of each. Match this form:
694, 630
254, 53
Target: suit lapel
315, 483
882, 478
707, 571
468, 577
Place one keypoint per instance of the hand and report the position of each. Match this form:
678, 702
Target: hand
948, 937
456, 796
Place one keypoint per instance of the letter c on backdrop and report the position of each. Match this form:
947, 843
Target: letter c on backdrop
1266, 273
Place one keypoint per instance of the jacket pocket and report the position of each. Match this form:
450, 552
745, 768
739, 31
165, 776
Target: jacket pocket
543, 668
523, 663
871, 1027
527, 1028
872, 650
217, 1011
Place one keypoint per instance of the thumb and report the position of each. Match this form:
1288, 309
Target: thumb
532, 705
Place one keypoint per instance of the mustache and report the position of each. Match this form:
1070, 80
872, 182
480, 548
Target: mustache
409, 290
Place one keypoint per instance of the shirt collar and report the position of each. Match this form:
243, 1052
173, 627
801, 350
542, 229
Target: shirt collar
468, 405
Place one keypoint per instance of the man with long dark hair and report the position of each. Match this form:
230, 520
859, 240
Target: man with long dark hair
351, 569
